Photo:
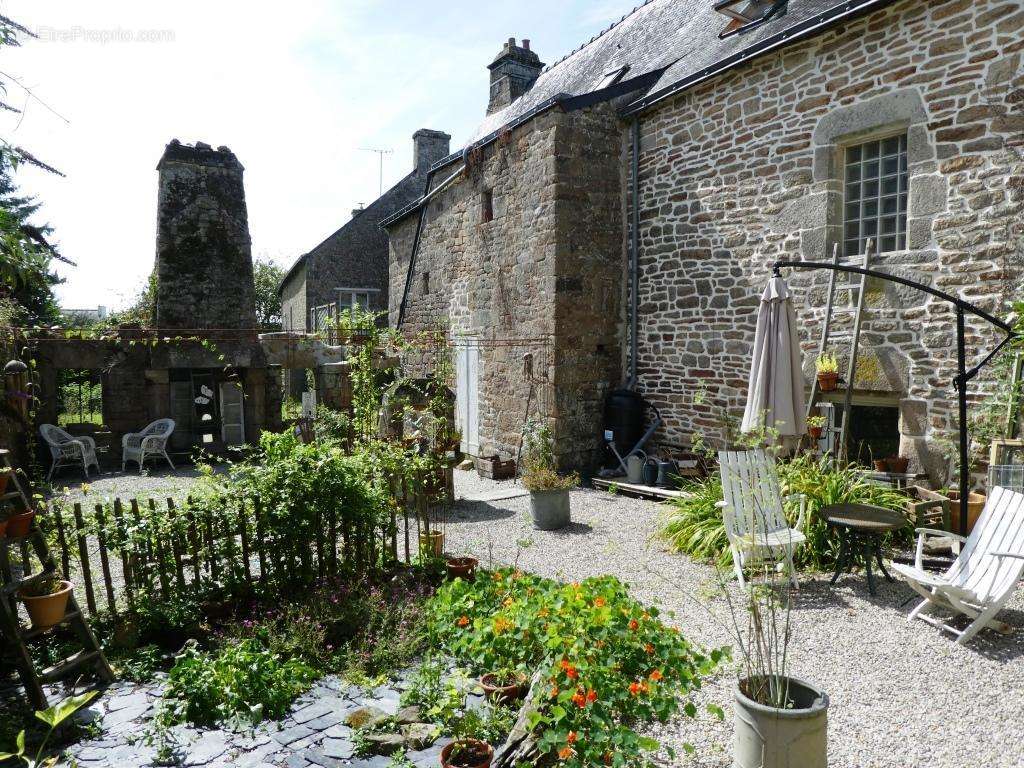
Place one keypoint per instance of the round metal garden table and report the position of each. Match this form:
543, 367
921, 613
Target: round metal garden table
861, 529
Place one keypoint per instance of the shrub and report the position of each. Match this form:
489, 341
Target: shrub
694, 525
605, 663
244, 683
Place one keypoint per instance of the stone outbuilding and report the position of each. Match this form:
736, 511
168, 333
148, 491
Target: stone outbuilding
620, 210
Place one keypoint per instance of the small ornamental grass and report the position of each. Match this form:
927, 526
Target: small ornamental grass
605, 664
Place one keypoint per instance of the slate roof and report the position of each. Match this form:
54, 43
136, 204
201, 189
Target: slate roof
677, 36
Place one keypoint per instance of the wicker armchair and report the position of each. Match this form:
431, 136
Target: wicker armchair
152, 441
67, 451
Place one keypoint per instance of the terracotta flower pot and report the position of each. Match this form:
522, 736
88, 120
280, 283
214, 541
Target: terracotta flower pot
495, 690
19, 525
898, 464
469, 753
47, 610
975, 504
827, 381
432, 543
815, 432
462, 567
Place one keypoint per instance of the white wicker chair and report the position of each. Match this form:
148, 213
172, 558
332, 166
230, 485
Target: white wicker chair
67, 450
152, 441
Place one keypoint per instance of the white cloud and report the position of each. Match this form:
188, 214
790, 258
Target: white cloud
294, 90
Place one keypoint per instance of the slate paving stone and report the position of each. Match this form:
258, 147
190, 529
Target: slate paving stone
339, 749
291, 735
311, 712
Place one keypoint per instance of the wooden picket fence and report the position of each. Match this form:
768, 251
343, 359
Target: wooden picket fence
229, 544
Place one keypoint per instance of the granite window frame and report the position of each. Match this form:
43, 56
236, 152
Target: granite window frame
879, 117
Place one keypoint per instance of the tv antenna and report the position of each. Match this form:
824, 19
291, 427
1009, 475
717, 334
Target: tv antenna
380, 155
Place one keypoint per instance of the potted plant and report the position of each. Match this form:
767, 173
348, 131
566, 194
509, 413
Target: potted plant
467, 753
549, 491
898, 464
461, 567
827, 367
20, 523
46, 600
815, 426
505, 685
781, 721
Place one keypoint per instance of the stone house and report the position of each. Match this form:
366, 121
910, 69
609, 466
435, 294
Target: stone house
350, 267
620, 210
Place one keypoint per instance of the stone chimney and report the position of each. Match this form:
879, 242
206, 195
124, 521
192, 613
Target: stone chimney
513, 73
203, 250
428, 147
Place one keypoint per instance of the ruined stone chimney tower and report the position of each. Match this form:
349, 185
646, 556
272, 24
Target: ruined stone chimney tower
428, 147
513, 73
203, 251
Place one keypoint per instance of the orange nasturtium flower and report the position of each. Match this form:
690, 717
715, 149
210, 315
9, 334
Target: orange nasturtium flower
463, 621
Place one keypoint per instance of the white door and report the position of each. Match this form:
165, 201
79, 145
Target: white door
232, 413
467, 396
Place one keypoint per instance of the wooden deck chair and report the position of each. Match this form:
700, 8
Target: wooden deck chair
984, 575
752, 509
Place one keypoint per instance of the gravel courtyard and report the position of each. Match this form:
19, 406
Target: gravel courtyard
902, 695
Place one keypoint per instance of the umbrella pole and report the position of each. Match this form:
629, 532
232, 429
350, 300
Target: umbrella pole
961, 386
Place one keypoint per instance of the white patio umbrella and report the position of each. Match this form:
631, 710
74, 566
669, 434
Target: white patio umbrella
775, 398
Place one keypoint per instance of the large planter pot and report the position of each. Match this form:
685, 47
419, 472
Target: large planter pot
47, 610
461, 567
483, 754
503, 694
767, 737
550, 509
19, 525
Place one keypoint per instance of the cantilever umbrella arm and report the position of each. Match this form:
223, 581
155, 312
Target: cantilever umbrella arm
963, 374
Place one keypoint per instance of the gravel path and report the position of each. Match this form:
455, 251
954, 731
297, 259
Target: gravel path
902, 695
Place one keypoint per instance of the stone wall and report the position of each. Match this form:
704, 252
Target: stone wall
522, 281
203, 250
746, 169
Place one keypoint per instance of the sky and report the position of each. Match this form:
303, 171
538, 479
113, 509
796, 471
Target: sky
298, 91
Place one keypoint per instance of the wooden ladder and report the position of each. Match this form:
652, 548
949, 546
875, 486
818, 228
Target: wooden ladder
854, 288
16, 636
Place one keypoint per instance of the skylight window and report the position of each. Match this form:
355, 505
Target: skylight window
612, 76
746, 11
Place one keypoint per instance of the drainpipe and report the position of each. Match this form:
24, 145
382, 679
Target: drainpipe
634, 255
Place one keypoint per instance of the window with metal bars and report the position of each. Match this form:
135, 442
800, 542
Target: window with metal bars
876, 196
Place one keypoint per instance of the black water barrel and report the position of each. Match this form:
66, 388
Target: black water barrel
624, 416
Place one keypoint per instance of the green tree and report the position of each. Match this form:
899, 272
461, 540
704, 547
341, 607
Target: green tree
267, 276
26, 255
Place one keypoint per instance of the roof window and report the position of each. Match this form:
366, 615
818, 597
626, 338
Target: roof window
612, 76
744, 14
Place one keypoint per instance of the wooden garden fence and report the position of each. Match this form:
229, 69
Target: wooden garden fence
113, 553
